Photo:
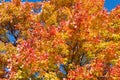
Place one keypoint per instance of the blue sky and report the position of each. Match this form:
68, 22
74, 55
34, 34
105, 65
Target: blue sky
33, 0
111, 4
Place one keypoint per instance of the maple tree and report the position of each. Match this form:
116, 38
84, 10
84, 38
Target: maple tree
67, 39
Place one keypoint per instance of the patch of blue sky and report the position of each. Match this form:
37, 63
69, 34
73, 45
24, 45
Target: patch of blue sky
32, 0
11, 37
7, 0
62, 69
36, 74
7, 69
111, 4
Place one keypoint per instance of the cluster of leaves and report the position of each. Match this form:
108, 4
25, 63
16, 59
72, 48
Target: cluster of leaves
68, 39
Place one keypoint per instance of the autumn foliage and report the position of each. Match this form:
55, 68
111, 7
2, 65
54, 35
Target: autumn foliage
66, 40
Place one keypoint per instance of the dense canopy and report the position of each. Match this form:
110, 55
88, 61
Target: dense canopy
59, 40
